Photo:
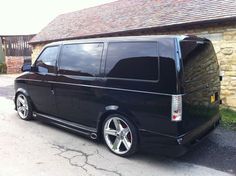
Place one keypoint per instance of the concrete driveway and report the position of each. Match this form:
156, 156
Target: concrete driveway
34, 148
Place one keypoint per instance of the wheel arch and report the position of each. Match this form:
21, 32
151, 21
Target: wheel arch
118, 111
25, 92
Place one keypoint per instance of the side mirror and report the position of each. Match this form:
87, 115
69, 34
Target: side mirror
34, 69
26, 67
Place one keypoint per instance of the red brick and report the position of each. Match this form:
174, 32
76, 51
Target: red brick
14, 64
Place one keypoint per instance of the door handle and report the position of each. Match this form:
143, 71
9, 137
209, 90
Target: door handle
52, 91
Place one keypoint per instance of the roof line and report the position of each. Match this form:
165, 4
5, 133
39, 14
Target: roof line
16, 35
179, 25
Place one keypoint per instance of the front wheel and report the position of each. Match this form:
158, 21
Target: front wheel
23, 107
120, 135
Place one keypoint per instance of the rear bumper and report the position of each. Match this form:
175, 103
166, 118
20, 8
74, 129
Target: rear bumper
176, 146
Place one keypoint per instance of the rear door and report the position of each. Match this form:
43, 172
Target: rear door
200, 82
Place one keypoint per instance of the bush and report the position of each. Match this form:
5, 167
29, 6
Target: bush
228, 118
3, 68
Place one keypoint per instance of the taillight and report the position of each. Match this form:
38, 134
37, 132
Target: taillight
176, 108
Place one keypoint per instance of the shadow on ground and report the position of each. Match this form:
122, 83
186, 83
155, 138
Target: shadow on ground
211, 154
208, 153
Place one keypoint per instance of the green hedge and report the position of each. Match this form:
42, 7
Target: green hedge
3, 68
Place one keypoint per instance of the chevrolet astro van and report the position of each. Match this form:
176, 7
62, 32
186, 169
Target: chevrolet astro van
136, 92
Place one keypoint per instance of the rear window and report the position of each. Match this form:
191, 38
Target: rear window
200, 64
191, 50
132, 60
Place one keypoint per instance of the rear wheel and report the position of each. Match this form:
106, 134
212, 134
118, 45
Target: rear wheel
23, 107
120, 135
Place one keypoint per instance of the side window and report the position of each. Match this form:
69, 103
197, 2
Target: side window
81, 59
132, 60
47, 60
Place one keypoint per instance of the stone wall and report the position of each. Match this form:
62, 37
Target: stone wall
226, 53
14, 64
36, 51
223, 38
224, 41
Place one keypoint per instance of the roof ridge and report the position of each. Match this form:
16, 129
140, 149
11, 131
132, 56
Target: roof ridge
88, 8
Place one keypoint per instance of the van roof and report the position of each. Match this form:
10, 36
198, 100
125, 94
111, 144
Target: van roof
122, 39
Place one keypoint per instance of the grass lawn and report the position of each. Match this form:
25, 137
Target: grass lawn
228, 118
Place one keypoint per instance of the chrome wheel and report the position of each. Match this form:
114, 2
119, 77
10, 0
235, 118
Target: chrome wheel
117, 135
22, 106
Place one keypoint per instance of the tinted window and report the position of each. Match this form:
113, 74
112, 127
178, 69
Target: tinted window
81, 59
166, 48
47, 60
200, 66
132, 60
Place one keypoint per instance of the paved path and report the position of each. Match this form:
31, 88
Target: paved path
34, 148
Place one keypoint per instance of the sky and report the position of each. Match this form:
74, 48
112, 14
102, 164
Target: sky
30, 16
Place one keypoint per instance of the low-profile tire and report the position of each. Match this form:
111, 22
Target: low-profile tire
120, 135
24, 107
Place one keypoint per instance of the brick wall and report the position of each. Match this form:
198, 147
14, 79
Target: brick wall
14, 64
224, 40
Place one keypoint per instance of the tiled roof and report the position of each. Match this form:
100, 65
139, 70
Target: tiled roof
124, 15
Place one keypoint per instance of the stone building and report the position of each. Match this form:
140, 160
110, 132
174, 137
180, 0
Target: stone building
212, 19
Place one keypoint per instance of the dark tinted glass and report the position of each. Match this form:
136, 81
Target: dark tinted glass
200, 67
132, 60
81, 59
166, 48
47, 60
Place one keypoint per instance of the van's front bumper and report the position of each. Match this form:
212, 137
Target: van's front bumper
176, 146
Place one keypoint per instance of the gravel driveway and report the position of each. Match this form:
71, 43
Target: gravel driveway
34, 148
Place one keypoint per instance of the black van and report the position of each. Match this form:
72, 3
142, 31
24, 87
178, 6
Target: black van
132, 92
